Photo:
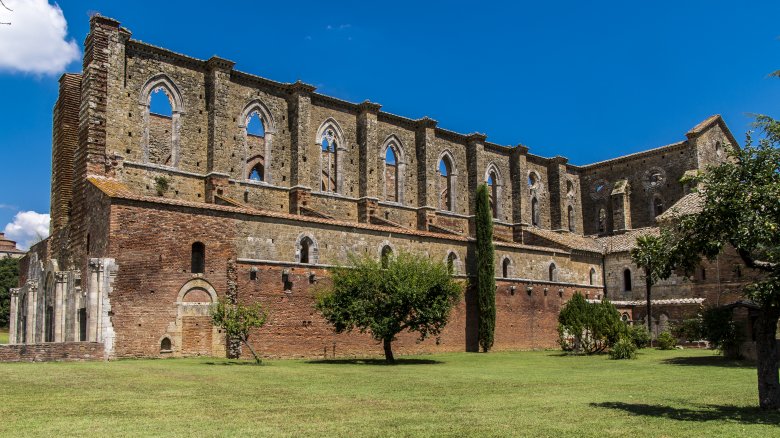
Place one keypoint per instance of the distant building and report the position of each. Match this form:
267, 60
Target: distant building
8, 248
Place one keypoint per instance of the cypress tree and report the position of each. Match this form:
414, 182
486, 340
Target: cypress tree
486, 270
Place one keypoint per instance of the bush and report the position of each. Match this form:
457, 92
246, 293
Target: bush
689, 329
623, 349
719, 329
589, 328
639, 336
666, 341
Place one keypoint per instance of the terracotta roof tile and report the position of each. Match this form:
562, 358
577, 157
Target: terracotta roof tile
568, 239
625, 241
689, 204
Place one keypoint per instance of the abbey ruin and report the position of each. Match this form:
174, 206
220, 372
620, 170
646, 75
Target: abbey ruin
149, 208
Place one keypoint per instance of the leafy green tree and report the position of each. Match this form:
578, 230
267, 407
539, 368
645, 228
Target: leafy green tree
237, 320
650, 256
9, 277
720, 330
410, 292
486, 270
740, 208
589, 328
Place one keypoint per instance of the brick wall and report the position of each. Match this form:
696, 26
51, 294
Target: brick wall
65, 351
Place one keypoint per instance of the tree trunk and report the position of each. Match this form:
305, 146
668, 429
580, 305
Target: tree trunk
257, 359
766, 349
233, 347
649, 287
389, 351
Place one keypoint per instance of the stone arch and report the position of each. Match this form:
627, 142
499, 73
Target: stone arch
256, 106
193, 333
393, 142
627, 280
331, 161
592, 276
166, 344
552, 272
506, 267
306, 249
452, 260
446, 185
156, 82
496, 188
196, 284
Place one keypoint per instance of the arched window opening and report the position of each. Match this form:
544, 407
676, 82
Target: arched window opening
452, 258
718, 148
658, 206
553, 272
602, 221
571, 218
493, 193
445, 175
627, 280
592, 276
256, 174
505, 267
49, 335
569, 188
198, 260
387, 252
391, 175
306, 246
535, 218
533, 180
165, 345
254, 125
703, 273
625, 318
329, 160
160, 127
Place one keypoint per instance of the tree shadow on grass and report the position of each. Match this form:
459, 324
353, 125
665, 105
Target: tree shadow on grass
738, 414
374, 362
709, 361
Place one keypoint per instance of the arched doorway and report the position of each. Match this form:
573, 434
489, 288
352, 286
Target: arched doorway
198, 337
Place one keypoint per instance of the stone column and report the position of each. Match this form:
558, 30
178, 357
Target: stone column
32, 307
556, 171
60, 287
220, 142
13, 316
304, 158
621, 206
424, 138
475, 171
517, 174
368, 146
93, 294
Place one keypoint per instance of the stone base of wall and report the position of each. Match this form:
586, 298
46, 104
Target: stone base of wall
60, 351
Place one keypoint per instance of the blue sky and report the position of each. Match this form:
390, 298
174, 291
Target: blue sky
586, 80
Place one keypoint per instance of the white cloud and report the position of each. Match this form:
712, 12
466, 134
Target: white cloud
36, 40
27, 228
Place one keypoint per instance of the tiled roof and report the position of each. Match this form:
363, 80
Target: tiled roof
656, 302
625, 241
704, 124
568, 239
688, 204
8, 246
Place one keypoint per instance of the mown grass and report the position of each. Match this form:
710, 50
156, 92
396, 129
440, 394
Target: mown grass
663, 393
3, 335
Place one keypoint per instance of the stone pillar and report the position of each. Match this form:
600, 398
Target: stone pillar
521, 213
304, 156
556, 171
621, 206
368, 145
425, 217
32, 307
424, 138
220, 144
367, 207
13, 316
299, 197
60, 287
101, 278
93, 294
475, 170
215, 185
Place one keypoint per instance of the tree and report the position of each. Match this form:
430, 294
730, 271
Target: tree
589, 328
237, 320
739, 207
410, 293
9, 277
8, 9
486, 270
650, 256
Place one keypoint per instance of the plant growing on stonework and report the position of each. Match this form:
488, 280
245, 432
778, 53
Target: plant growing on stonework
486, 270
589, 328
385, 297
237, 320
740, 208
161, 185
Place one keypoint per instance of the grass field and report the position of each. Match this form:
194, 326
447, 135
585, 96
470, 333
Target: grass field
3, 336
663, 393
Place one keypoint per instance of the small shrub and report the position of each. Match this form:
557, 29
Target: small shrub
623, 349
585, 327
689, 329
666, 341
639, 336
161, 185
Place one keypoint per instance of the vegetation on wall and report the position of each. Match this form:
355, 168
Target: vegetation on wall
408, 292
486, 270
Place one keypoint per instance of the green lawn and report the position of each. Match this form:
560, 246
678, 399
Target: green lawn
663, 393
3, 335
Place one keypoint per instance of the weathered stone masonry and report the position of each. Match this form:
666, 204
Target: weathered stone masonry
149, 209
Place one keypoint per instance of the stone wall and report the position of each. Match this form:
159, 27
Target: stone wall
46, 352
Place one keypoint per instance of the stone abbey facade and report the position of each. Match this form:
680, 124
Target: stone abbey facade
266, 184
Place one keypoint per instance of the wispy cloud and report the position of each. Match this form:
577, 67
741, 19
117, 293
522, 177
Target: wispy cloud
338, 26
8, 207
